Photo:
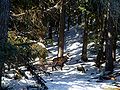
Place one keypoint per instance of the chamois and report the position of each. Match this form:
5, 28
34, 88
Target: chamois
59, 61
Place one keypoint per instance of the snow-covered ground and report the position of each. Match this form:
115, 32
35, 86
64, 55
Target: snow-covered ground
69, 78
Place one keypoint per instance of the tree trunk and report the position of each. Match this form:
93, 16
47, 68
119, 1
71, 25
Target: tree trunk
61, 29
80, 18
4, 18
101, 54
85, 40
109, 46
114, 42
101, 35
69, 16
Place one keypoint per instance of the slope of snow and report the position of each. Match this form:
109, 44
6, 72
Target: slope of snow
69, 78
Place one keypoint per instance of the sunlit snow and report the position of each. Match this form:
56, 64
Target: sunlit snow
69, 78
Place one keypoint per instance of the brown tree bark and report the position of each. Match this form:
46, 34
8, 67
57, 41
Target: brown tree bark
61, 29
4, 18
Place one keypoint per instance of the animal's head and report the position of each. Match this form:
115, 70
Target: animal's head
66, 57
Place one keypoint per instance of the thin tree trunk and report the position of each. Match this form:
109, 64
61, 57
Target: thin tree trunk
61, 29
80, 18
69, 16
85, 40
101, 52
109, 46
101, 55
4, 18
114, 42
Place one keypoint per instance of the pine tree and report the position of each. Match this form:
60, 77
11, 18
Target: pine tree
4, 20
61, 29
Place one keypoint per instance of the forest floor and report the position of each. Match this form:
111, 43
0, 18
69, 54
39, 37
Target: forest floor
69, 78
